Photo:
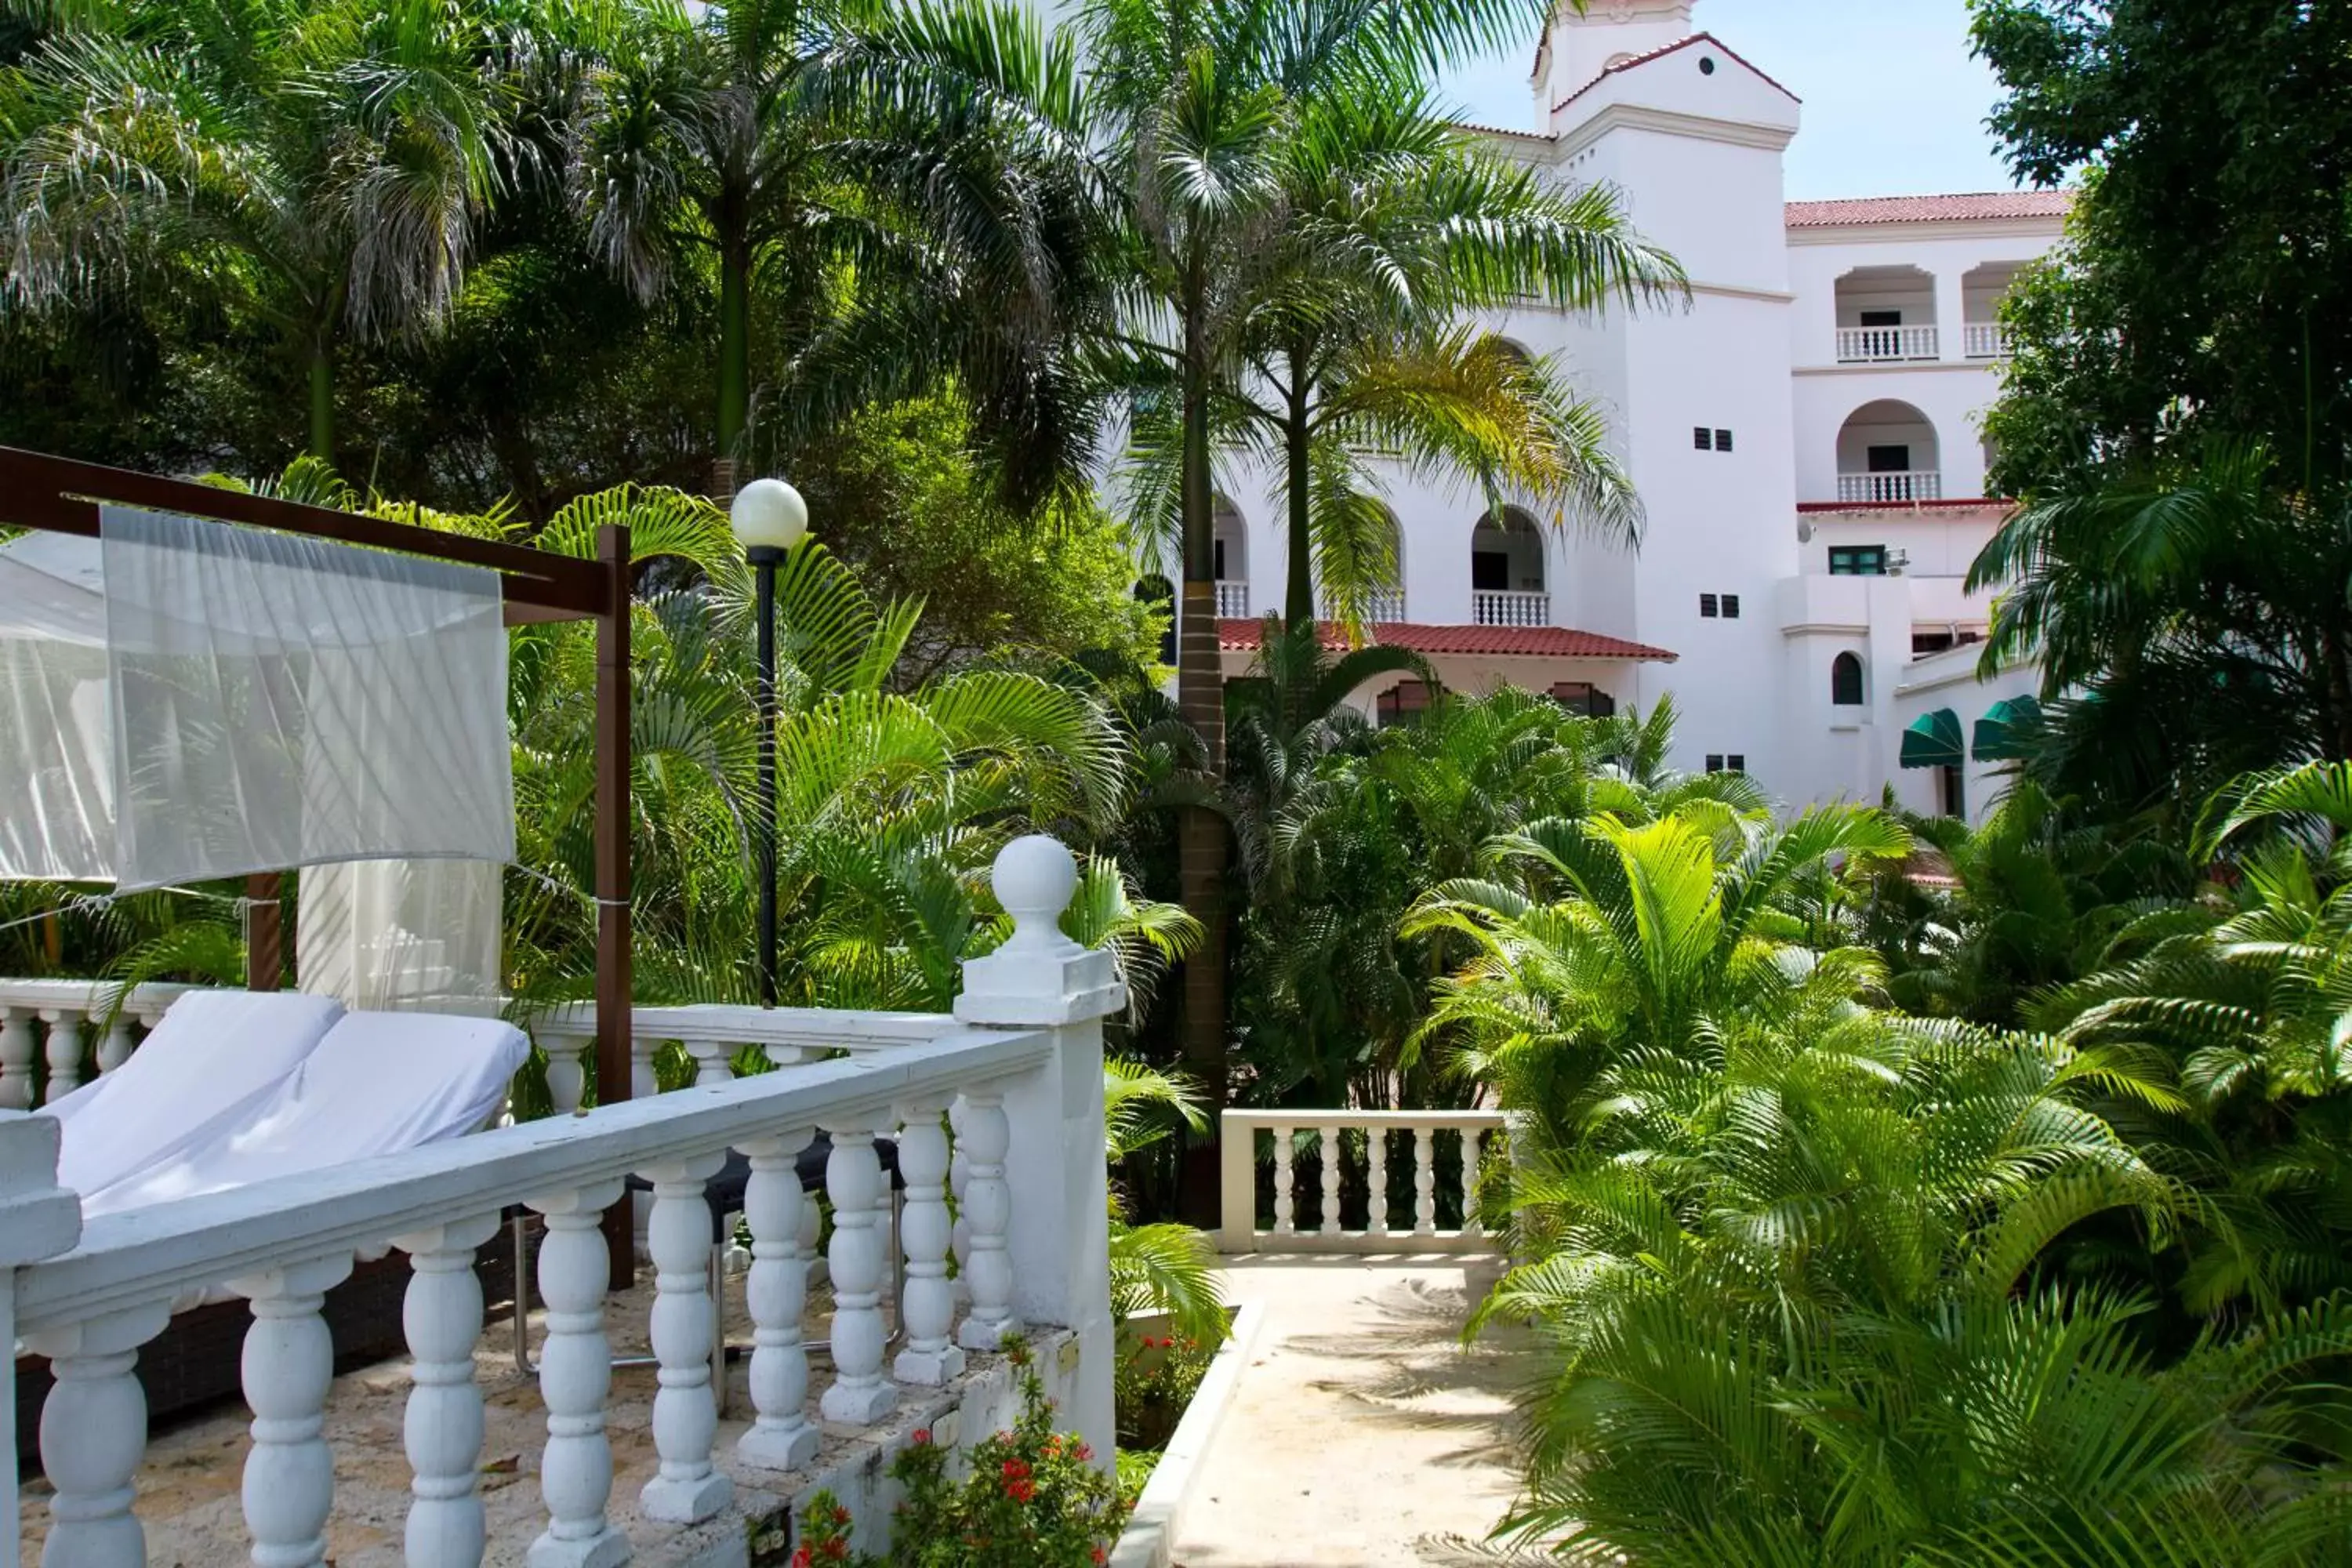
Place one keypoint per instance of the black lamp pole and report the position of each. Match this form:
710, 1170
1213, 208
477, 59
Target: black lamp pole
764, 559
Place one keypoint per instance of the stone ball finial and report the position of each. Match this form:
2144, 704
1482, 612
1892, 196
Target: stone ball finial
1033, 877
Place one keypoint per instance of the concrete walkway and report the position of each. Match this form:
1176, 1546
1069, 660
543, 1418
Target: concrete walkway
1361, 1433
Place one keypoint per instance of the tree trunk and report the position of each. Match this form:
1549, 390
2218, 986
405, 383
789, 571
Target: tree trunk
734, 361
1299, 595
1201, 833
322, 393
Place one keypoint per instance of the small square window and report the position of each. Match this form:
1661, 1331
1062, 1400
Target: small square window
1731, 606
1702, 437
1723, 440
1736, 763
1707, 606
1715, 761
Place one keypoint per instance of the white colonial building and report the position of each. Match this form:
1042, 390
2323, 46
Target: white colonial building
1805, 437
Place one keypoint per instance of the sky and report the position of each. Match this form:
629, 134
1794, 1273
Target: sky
1893, 103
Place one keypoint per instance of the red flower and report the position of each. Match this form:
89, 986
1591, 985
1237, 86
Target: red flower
1019, 1491
1084, 1452
922, 1434
841, 1516
1100, 1557
837, 1549
1015, 1471
802, 1558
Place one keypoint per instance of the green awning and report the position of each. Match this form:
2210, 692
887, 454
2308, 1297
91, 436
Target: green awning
1934, 740
2001, 733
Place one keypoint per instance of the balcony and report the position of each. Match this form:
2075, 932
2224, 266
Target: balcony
1987, 340
1233, 600
1383, 606
1904, 487
1886, 345
1496, 607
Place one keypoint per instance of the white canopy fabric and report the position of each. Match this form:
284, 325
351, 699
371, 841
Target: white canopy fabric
400, 935
184, 699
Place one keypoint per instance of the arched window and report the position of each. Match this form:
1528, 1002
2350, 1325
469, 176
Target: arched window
1845, 680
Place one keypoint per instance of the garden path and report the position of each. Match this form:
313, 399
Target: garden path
1360, 1432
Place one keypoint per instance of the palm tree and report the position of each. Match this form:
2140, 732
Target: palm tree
339, 158
1198, 103
907, 182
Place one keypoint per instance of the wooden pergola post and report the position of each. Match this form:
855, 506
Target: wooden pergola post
613, 1030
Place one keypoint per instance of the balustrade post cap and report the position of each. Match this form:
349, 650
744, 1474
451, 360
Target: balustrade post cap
39, 1218
1033, 877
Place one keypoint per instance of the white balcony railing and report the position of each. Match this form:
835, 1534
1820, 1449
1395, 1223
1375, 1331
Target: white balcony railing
1910, 486
1238, 1231
1495, 608
1024, 1246
1987, 340
1885, 345
1233, 599
73, 1028
1382, 606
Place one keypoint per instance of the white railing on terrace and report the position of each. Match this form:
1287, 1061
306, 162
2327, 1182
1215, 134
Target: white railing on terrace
1882, 490
1494, 607
1016, 1072
1885, 345
1233, 598
1987, 340
1383, 606
72, 1028
1416, 1132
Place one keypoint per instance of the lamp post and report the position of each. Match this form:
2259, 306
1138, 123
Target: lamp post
769, 518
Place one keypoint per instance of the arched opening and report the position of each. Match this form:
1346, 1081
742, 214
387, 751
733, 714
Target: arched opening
1512, 350
1231, 535
1981, 289
1845, 680
1506, 571
1885, 315
1887, 453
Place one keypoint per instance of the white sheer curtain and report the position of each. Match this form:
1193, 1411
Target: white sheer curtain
402, 935
57, 750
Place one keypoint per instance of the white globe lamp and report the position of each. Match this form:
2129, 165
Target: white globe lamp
768, 514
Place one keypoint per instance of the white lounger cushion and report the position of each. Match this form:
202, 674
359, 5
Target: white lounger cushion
379, 1083
202, 1072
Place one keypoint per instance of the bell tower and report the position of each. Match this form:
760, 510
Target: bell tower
1576, 48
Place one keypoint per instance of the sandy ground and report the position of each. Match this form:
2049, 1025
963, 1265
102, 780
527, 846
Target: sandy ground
1361, 1432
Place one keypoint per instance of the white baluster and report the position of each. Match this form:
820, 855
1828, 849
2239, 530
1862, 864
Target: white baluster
442, 1314
643, 1082
687, 1490
958, 1180
1470, 1226
1330, 1181
289, 1366
782, 1436
860, 1394
114, 1046
567, 1076
1376, 1149
16, 1048
1285, 1206
927, 1311
714, 1062
576, 1373
64, 1052
988, 1218
93, 1435
1424, 1183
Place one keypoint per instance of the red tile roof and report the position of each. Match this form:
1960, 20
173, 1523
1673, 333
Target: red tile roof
1986, 503
1503, 642
1929, 209
1643, 60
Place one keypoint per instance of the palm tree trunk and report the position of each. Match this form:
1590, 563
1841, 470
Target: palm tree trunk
1201, 833
322, 393
1298, 593
734, 358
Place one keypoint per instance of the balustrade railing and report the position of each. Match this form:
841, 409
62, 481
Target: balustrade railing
1892, 489
1987, 340
1382, 606
1883, 345
1233, 599
1391, 1141
1016, 1071
55, 1034
1496, 607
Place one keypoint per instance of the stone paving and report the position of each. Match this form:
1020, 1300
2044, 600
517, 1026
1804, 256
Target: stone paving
1362, 1433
